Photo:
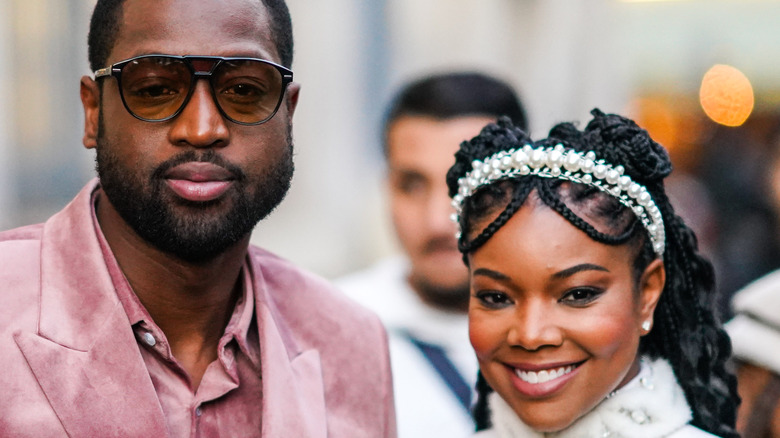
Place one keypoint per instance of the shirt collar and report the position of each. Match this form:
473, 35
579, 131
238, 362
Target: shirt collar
238, 327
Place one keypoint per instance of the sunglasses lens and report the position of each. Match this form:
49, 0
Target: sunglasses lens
248, 91
155, 87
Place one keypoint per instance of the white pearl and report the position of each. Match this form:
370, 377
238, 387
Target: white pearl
521, 157
639, 417
612, 176
588, 165
572, 161
538, 158
600, 171
555, 158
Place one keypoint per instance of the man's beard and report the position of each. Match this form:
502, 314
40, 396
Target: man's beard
192, 231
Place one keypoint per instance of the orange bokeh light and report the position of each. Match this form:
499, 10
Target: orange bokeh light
726, 95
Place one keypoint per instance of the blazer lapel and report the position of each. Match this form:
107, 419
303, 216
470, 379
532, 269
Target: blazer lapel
293, 392
108, 383
85, 356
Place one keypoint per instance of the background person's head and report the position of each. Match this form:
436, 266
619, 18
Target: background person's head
192, 181
426, 122
521, 233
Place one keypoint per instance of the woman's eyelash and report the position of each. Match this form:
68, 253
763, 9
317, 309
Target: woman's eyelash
581, 295
493, 299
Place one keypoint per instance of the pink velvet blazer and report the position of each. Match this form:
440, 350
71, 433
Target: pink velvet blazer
70, 364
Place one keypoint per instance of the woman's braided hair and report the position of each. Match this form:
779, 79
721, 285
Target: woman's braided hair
686, 332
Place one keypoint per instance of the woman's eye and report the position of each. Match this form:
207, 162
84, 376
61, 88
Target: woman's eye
581, 296
493, 299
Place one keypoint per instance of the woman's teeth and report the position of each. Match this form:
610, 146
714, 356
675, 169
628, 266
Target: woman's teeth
535, 377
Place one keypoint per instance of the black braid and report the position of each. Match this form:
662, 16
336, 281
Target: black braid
551, 198
481, 410
518, 198
686, 332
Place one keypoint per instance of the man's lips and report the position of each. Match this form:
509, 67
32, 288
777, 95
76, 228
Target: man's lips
199, 181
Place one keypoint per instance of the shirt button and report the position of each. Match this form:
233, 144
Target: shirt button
198, 412
149, 339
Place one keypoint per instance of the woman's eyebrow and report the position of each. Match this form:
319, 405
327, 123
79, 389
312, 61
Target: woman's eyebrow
568, 272
495, 275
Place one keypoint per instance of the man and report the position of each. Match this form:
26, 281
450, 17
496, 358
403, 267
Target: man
140, 309
422, 297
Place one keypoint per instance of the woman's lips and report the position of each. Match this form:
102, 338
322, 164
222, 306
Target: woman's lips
540, 381
199, 181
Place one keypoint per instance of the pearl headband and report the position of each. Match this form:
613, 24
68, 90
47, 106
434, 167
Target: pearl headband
578, 167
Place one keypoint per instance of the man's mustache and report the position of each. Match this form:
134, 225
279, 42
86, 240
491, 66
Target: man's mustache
208, 156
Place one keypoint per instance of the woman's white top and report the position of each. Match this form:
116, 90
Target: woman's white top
652, 405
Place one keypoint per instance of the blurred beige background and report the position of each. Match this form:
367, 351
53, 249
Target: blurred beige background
564, 56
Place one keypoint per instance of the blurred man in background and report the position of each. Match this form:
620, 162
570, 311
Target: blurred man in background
422, 296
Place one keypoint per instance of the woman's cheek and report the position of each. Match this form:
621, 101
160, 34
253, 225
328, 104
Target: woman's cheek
484, 332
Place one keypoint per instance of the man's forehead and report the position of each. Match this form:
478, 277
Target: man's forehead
203, 27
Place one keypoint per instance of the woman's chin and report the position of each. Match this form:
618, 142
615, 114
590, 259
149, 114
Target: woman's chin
546, 425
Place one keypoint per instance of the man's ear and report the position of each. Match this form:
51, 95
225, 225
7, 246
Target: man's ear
651, 284
291, 96
90, 100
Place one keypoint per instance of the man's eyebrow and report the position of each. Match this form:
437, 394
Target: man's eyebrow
495, 275
568, 272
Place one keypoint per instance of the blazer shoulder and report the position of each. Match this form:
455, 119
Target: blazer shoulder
28, 232
20, 267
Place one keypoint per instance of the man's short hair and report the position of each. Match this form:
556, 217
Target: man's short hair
105, 22
457, 94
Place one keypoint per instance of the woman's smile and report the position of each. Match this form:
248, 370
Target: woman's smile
540, 381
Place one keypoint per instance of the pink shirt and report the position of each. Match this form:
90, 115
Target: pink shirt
229, 399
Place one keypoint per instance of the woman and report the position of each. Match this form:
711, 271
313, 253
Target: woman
589, 312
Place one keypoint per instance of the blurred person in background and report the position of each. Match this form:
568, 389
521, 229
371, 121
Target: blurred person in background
422, 296
141, 309
755, 335
747, 244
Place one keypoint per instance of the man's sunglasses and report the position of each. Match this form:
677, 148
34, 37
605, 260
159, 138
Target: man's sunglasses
155, 88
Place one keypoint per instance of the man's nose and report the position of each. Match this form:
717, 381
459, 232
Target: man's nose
439, 212
200, 123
